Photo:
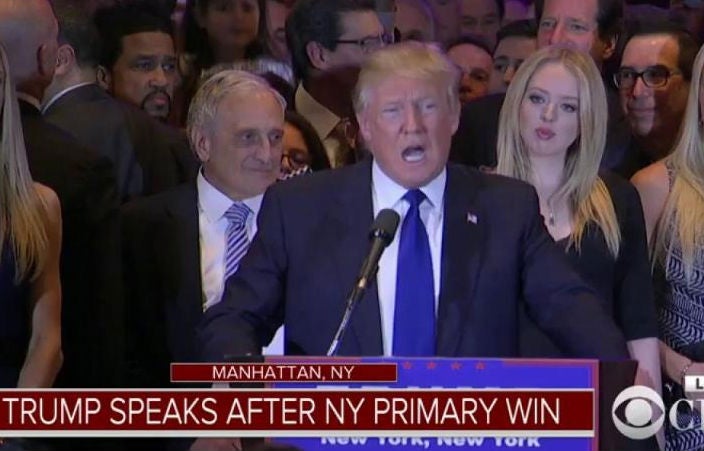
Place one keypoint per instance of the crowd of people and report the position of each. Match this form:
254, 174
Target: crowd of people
195, 180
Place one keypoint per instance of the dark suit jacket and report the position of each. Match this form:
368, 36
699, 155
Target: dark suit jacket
474, 144
92, 334
148, 156
163, 287
161, 255
311, 241
633, 159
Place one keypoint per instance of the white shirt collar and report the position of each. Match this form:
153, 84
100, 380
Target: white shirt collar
214, 203
388, 192
59, 94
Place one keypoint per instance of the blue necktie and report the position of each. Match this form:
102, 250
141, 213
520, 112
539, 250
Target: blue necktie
236, 238
414, 312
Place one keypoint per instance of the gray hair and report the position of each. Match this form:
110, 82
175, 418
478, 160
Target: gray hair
212, 91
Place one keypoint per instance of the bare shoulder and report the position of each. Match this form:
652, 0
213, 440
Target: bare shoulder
652, 181
50, 201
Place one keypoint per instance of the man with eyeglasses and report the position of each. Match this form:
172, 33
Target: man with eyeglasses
328, 41
653, 83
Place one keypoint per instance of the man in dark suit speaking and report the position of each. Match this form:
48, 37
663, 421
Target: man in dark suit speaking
470, 248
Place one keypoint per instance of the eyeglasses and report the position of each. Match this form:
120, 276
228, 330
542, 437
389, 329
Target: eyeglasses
369, 43
295, 158
653, 76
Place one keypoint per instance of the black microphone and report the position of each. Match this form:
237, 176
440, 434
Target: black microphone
381, 234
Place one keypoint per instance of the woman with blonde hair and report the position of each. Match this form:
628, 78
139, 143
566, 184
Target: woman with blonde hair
552, 133
30, 242
672, 192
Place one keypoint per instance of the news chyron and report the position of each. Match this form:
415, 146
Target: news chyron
331, 404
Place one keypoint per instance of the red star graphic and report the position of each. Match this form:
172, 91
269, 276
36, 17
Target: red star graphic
456, 366
479, 366
431, 365
407, 365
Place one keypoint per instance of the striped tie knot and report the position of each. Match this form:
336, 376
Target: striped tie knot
237, 214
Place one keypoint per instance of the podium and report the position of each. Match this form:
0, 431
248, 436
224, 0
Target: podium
606, 379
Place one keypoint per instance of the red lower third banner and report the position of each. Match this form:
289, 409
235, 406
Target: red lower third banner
298, 413
284, 372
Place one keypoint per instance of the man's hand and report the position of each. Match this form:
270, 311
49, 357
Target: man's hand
216, 444
643, 378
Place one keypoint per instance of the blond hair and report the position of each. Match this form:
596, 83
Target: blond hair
587, 196
22, 210
409, 59
682, 220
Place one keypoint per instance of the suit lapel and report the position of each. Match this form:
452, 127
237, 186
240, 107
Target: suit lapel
463, 235
351, 218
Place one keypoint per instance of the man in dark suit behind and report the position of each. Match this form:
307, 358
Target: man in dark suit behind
85, 185
483, 246
148, 156
590, 25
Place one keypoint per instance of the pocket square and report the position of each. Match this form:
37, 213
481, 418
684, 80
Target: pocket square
471, 218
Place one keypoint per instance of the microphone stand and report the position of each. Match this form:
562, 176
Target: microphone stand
382, 233
352, 299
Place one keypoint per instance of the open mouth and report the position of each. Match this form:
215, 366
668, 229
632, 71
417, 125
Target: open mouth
413, 154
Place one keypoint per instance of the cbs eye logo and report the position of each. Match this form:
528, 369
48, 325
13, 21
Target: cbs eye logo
638, 412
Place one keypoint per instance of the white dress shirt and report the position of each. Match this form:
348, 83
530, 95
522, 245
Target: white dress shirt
388, 194
212, 226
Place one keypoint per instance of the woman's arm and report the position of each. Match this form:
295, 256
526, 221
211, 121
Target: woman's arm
44, 355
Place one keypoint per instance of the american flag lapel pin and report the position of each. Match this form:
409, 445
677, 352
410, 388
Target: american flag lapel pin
471, 217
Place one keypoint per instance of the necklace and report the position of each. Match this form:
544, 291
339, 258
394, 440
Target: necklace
549, 204
551, 211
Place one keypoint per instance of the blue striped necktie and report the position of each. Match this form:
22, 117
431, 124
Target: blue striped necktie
236, 236
414, 311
